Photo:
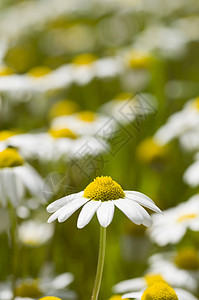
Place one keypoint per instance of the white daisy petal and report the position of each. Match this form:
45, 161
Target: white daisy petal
132, 211
87, 213
105, 213
130, 285
71, 208
134, 295
30, 178
52, 207
142, 200
184, 295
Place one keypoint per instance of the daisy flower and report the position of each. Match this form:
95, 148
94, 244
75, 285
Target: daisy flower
101, 196
83, 123
180, 123
34, 288
180, 268
126, 107
16, 176
35, 233
161, 290
174, 223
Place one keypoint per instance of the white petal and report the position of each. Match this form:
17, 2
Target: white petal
87, 213
142, 200
71, 208
10, 185
136, 295
184, 295
105, 213
52, 207
134, 284
133, 211
58, 283
30, 178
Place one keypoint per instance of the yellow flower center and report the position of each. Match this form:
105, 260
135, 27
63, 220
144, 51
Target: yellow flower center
39, 71
28, 289
5, 71
49, 298
86, 116
84, 59
10, 158
186, 217
139, 59
153, 278
5, 134
159, 291
148, 151
188, 259
62, 133
104, 188
63, 108
196, 103
123, 96
117, 297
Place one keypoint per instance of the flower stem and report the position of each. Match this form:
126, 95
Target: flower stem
100, 263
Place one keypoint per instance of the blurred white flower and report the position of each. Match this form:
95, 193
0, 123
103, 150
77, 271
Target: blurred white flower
127, 107
158, 289
35, 233
180, 268
101, 196
35, 288
172, 226
191, 175
16, 177
180, 122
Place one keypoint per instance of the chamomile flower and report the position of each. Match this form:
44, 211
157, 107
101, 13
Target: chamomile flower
161, 290
16, 176
172, 226
126, 107
83, 123
101, 196
35, 288
63, 107
137, 284
180, 268
180, 123
35, 233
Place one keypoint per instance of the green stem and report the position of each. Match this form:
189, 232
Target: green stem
100, 263
15, 246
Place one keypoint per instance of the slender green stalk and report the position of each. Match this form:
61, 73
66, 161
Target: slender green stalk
15, 247
100, 263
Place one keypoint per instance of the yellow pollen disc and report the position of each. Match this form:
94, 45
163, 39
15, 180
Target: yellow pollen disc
123, 96
86, 116
10, 158
147, 151
186, 217
62, 133
63, 107
117, 297
104, 188
159, 291
5, 134
6, 71
153, 278
84, 59
139, 59
39, 71
28, 289
49, 298
188, 259
195, 103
